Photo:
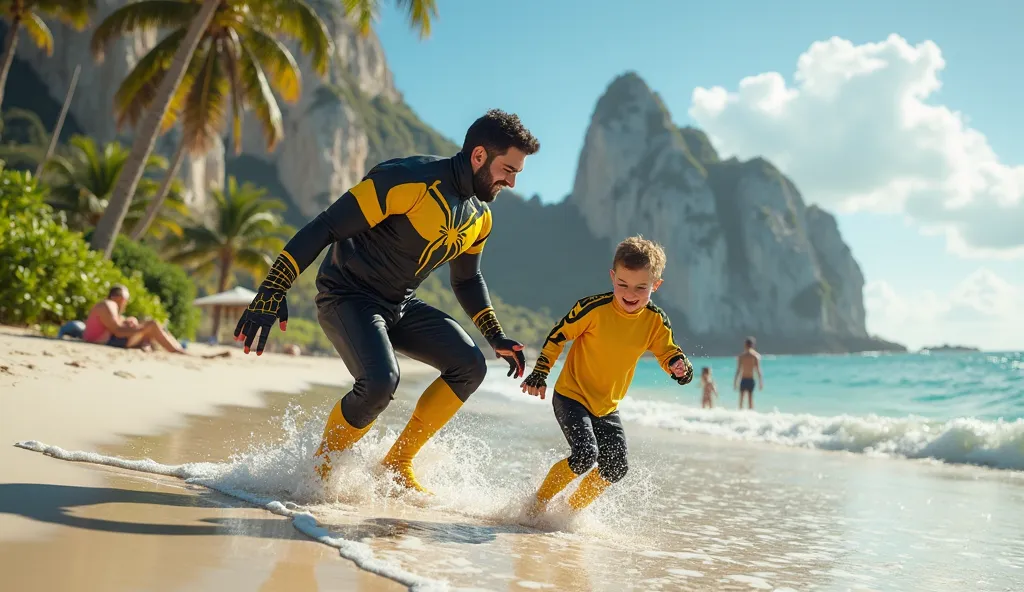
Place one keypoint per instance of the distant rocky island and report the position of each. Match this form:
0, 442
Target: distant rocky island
949, 348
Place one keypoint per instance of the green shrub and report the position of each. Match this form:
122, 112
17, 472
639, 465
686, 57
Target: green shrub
165, 280
48, 274
304, 333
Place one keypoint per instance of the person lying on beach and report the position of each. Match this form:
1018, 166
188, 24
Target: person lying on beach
610, 332
708, 388
106, 326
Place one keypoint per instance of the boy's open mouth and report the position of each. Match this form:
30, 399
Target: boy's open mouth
630, 302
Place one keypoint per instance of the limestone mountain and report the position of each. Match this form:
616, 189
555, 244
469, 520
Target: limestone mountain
746, 255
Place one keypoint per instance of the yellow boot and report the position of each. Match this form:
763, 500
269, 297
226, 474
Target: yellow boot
558, 477
434, 409
338, 435
590, 488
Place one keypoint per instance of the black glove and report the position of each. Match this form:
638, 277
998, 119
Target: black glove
490, 328
687, 376
516, 361
536, 379
268, 306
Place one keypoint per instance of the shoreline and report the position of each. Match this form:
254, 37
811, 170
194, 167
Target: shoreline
126, 529
223, 435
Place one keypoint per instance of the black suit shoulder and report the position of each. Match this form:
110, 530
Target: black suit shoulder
420, 168
662, 315
588, 304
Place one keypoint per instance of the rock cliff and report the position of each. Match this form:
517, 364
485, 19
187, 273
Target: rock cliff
746, 255
325, 146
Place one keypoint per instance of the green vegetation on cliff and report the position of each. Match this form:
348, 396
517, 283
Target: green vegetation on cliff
393, 129
699, 145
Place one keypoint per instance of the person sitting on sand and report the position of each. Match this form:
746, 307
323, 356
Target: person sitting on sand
106, 326
610, 332
747, 364
708, 388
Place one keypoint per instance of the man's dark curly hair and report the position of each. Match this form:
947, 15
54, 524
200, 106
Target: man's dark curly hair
497, 131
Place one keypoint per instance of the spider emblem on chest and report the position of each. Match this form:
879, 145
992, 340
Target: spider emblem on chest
451, 238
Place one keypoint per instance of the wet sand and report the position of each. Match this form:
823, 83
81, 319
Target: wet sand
76, 526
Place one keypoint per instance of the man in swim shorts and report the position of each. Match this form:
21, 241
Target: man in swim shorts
747, 364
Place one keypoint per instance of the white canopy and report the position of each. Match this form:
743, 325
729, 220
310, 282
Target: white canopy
237, 296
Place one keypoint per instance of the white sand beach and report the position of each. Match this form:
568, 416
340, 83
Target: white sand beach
76, 526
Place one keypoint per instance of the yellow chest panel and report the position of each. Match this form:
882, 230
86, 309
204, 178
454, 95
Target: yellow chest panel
448, 227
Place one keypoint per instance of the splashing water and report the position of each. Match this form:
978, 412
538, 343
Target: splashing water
459, 465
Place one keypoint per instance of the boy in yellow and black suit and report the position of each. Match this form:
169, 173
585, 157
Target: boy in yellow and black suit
610, 332
386, 234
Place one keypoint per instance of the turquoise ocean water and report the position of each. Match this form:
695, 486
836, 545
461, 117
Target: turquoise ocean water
953, 407
938, 386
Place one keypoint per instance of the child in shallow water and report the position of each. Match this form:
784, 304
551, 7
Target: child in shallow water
708, 388
610, 332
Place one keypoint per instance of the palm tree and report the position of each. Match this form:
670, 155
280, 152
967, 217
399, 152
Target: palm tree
419, 12
26, 14
243, 232
290, 17
30, 129
238, 60
210, 65
82, 178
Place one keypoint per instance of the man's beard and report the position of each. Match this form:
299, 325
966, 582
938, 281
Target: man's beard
483, 184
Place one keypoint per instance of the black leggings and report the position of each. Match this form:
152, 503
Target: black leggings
592, 439
367, 332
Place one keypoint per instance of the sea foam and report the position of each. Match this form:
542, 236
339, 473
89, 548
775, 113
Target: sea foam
996, 444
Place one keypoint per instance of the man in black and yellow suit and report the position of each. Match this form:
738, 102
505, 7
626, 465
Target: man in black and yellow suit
407, 217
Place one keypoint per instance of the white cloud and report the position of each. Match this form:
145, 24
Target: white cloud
982, 310
856, 132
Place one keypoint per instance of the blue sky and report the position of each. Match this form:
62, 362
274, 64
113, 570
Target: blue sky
550, 61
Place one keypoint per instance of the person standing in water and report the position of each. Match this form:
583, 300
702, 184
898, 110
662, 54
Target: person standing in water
709, 391
747, 364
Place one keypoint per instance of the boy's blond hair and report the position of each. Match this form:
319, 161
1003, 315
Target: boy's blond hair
636, 252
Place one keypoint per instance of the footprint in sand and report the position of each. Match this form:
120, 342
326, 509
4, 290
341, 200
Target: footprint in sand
6, 370
75, 363
123, 374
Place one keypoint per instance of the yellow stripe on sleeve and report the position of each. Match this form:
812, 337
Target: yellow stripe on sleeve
366, 196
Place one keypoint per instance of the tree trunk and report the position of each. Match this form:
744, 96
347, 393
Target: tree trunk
226, 260
145, 135
9, 46
140, 229
60, 121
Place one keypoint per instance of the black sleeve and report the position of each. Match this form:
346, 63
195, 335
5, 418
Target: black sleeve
468, 284
341, 220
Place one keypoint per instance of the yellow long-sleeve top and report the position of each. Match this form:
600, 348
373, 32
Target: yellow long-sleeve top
607, 344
